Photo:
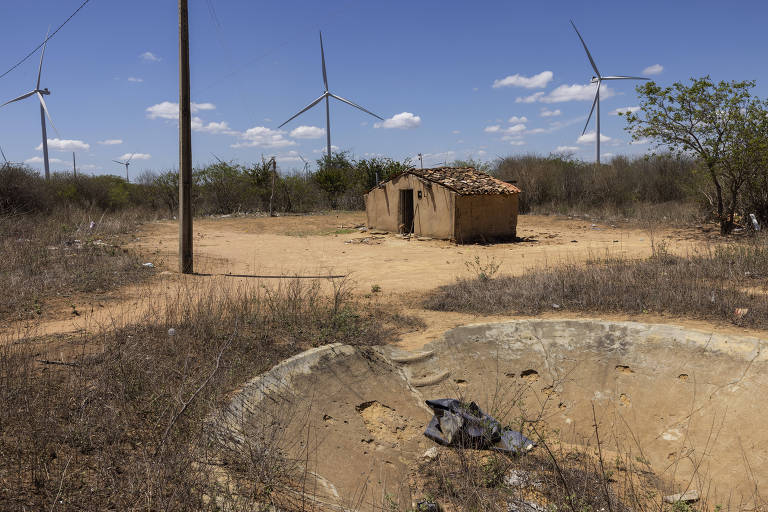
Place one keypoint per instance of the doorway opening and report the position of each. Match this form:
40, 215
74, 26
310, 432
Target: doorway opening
406, 211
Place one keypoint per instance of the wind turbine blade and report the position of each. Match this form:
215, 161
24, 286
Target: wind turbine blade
129, 158
42, 54
118, 162
1, 153
355, 105
624, 78
318, 100
19, 98
47, 114
592, 110
591, 60
322, 57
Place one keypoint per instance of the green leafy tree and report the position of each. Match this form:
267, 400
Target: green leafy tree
745, 163
334, 175
374, 170
698, 119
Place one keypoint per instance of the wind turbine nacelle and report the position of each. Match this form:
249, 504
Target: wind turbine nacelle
594, 80
44, 92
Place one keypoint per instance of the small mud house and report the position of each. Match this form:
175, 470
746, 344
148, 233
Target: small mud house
460, 204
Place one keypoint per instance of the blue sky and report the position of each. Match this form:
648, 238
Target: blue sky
428, 67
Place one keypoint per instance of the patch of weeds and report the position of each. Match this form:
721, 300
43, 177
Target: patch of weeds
483, 270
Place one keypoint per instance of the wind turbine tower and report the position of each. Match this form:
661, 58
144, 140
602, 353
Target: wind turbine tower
126, 164
43, 109
326, 96
598, 79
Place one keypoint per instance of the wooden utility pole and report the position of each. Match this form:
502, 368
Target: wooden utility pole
185, 146
273, 164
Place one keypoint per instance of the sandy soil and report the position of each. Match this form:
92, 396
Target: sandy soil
267, 249
311, 246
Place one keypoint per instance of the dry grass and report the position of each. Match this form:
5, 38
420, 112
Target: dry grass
46, 257
120, 425
709, 284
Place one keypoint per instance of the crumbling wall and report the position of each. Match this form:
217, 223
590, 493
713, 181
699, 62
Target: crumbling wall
433, 211
486, 218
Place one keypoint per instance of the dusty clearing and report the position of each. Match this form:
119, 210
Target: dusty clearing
318, 245
322, 245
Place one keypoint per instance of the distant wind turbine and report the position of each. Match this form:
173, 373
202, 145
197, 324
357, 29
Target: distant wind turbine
598, 79
43, 109
326, 96
126, 164
5, 160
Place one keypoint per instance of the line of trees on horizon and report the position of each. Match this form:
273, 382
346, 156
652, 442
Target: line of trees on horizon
713, 139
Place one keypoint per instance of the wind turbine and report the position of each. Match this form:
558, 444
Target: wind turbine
43, 109
5, 160
326, 96
126, 164
598, 79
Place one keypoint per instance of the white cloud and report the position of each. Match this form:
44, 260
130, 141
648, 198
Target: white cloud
640, 142
135, 79
164, 110
590, 137
545, 112
576, 92
87, 167
403, 121
196, 107
65, 145
573, 92
566, 149
307, 132
625, 110
170, 110
510, 130
532, 82
150, 57
653, 70
289, 157
456, 132
515, 119
609, 155
324, 150
39, 160
263, 137
199, 125
110, 142
517, 128
533, 98
134, 156
517, 142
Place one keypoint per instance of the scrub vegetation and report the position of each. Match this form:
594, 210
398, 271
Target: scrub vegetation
724, 283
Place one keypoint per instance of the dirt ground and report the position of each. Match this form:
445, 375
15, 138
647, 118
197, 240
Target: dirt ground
233, 252
330, 245
236, 252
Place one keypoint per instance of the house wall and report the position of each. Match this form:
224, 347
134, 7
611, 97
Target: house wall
433, 213
486, 218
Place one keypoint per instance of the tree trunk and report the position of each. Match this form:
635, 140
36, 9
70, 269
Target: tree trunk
721, 217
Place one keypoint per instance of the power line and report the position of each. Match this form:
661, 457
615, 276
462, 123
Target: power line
46, 39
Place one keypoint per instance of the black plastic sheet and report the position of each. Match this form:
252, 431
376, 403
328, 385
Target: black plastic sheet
457, 423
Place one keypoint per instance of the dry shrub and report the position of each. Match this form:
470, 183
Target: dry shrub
709, 284
119, 424
54, 256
